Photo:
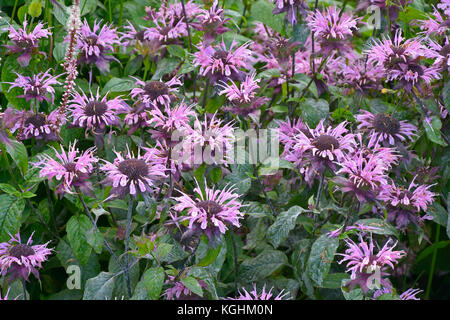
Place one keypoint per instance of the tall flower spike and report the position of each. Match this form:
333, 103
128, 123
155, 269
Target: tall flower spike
19, 259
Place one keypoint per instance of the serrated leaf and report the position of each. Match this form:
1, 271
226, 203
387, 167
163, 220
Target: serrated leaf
77, 227
154, 279
118, 85
262, 266
381, 226
100, 287
312, 111
11, 209
192, 284
95, 240
284, 223
432, 129
19, 154
321, 257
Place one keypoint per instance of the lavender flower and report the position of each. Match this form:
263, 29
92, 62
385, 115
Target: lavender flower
38, 126
96, 44
211, 22
72, 168
291, 7
384, 129
364, 264
19, 259
263, 295
36, 87
165, 32
26, 43
222, 63
210, 211
155, 93
129, 174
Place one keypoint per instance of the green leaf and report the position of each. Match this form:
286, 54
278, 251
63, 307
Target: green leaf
203, 274
165, 66
176, 51
7, 188
446, 95
95, 240
77, 228
19, 154
192, 284
216, 174
118, 85
154, 279
261, 11
262, 266
35, 8
312, 111
382, 226
99, 288
59, 52
432, 128
439, 214
301, 32
10, 215
284, 223
211, 255
334, 280
239, 178
321, 257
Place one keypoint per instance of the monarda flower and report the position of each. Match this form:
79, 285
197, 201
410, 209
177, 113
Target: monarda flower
211, 22
155, 93
165, 32
440, 54
314, 150
210, 140
171, 119
129, 174
291, 7
400, 61
95, 45
366, 266
95, 113
384, 129
72, 168
134, 38
18, 259
26, 43
36, 87
366, 171
38, 126
222, 63
210, 211
243, 98
404, 205
332, 28
409, 294
136, 117
180, 291
263, 295
436, 24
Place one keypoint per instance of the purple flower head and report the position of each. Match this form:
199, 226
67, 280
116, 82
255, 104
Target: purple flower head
211, 22
95, 113
331, 28
26, 43
363, 263
440, 54
36, 87
134, 38
400, 60
436, 24
212, 138
166, 32
169, 120
72, 168
243, 98
136, 117
222, 63
38, 126
210, 211
291, 7
96, 44
445, 6
19, 259
129, 174
384, 129
263, 295
155, 93
173, 10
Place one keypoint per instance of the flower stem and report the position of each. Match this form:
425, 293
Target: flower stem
433, 263
24, 286
106, 244
127, 246
236, 265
